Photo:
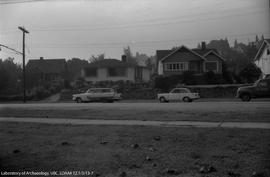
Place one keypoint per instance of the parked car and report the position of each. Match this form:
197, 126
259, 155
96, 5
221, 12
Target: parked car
260, 89
97, 94
178, 94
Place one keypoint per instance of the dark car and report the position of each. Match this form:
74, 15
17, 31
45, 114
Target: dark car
260, 89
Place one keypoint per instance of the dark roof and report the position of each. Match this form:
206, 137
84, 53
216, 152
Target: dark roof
163, 53
202, 52
48, 65
111, 63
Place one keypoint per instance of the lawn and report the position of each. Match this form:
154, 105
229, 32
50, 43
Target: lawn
135, 150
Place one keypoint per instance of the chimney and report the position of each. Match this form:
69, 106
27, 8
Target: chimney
41, 58
124, 58
203, 45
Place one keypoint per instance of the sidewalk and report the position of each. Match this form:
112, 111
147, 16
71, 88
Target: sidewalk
244, 125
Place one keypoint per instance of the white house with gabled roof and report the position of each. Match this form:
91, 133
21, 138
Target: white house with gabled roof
262, 58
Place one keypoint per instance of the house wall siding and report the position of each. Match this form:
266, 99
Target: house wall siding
264, 62
102, 75
146, 74
212, 57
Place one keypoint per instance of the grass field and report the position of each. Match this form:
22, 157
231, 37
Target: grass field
135, 150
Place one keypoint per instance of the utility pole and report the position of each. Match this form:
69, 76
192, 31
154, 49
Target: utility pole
24, 31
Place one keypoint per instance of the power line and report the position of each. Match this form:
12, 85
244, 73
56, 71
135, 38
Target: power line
19, 2
135, 43
148, 24
14, 50
150, 21
142, 25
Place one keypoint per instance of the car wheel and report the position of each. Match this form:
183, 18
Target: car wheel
162, 100
110, 101
187, 99
245, 97
78, 100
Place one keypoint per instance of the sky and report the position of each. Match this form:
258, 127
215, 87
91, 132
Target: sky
82, 28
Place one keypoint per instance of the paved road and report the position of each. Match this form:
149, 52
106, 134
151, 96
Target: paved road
199, 111
245, 125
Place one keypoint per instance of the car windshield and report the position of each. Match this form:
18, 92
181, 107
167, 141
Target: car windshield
256, 83
89, 91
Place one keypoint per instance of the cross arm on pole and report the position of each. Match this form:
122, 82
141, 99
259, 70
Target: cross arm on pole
23, 29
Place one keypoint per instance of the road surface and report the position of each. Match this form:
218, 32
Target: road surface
195, 111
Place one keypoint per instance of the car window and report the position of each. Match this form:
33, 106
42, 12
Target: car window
184, 91
106, 90
262, 84
95, 91
257, 82
181, 90
89, 91
176, 91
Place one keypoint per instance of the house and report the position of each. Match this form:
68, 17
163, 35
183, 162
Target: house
49, 70
199, 61
115, 70
262, 58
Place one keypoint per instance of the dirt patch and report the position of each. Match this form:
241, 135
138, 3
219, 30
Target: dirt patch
182, 152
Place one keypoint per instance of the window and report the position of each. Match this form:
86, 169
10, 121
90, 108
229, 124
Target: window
91, 72
176, 91
117, 72
138, 73
184, 91
180, 90
262, 84
177, 66
211, 66
106, 90
268, 51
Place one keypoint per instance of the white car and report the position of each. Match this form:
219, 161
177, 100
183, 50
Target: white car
178, 94
97, 94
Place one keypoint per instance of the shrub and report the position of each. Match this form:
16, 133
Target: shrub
188, 78
39, 93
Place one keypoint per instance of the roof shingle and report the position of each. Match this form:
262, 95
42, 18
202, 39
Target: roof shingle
47, 65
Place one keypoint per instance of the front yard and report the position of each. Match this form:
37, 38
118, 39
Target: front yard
135, 151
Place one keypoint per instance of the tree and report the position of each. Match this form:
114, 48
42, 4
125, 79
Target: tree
129, 55
94, 58
256, 38
235, 43
74, 67
199, 46
250, 73
10, 75
262, 38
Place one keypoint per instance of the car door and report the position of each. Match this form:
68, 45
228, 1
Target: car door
106, 93
262, 89
97, 94
174, 94
182, 93
89, 94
